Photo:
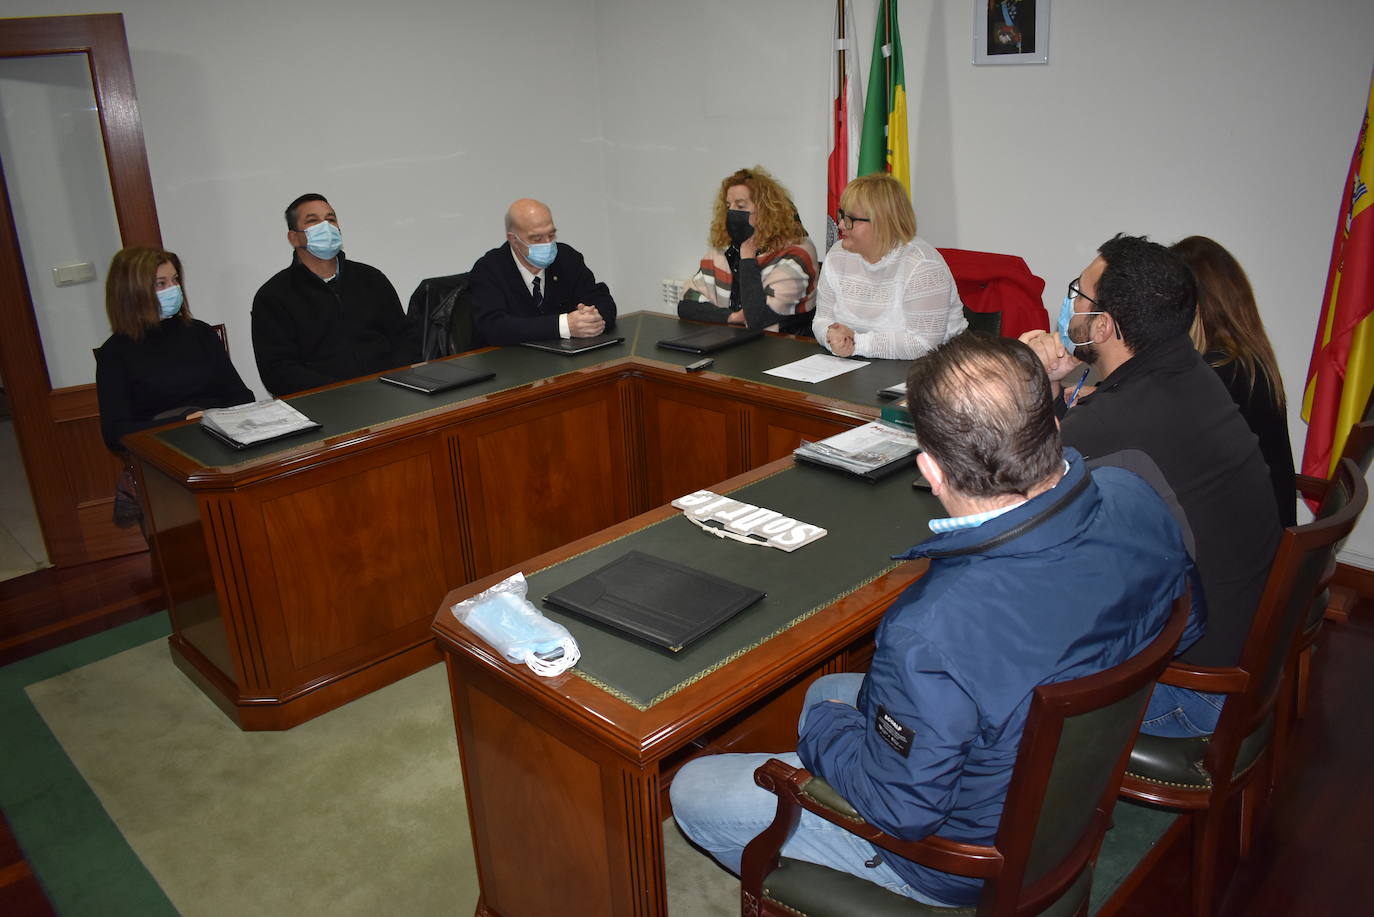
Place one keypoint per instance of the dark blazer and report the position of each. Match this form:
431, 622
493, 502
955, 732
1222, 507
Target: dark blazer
503, 311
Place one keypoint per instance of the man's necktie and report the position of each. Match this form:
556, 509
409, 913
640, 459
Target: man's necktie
538, 296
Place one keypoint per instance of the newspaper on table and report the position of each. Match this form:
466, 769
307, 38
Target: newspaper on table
863, 449
728, 518
256, 421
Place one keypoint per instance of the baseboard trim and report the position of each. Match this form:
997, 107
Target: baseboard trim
53, 607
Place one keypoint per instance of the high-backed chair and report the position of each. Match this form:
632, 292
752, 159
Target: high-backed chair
1062, 791
1200, 775
1359, 448
442, 314
990, 282
1359, 445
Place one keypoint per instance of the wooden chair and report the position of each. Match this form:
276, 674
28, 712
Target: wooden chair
1359, 445
1359, 448
1062, 791
1200, 775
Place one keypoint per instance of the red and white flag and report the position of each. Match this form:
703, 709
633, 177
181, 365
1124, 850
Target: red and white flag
846, 115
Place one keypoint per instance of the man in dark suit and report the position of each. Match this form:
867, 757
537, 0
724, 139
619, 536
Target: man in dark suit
534, 288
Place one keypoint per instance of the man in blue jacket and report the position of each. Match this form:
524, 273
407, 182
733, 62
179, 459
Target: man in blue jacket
1043, 572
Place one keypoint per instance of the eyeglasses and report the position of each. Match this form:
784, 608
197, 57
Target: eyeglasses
1075, 292
848, 221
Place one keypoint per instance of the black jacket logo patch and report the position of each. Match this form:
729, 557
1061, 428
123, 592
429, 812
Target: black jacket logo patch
893, 732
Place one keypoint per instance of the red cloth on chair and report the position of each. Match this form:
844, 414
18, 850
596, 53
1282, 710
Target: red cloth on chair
989, 282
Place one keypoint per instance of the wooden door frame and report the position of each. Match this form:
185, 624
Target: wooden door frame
101, 38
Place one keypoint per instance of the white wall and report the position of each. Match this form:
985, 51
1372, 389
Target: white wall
1230, 118
422, 119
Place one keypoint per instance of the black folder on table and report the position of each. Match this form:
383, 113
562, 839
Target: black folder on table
664, 603
435, 377
709, 340
575, 345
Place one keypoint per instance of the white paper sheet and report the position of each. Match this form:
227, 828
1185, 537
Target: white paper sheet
816, 368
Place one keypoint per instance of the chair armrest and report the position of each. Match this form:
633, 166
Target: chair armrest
1310, 487
1205, 678
796, 786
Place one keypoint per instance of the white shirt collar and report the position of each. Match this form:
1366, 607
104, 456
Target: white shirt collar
525, 272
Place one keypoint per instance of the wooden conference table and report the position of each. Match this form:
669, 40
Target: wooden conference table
305, 573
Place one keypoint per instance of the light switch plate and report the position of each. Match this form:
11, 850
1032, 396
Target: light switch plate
66, 275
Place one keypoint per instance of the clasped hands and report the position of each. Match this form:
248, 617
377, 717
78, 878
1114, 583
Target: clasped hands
840, 339
585, 321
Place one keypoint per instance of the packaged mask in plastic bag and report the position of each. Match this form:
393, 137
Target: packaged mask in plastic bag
504, 618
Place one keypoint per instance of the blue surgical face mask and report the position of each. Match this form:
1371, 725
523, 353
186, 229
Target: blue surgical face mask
169, 301
540, 254
323, 240
1066, 315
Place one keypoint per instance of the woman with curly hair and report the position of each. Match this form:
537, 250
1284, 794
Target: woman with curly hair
760, 270
1229, 334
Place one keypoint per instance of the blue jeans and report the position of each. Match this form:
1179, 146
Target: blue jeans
719, 807
1180, 713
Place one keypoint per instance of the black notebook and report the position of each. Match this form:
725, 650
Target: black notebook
575, 345
435, 377
655, 600
709, 340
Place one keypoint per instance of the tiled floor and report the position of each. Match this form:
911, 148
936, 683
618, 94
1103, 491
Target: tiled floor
21, 540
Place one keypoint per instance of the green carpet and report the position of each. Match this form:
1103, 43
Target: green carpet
131, 794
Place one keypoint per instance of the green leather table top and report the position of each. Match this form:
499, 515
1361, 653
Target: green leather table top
368, 403
866, 523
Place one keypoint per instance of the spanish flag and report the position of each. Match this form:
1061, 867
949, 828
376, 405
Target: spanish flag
884, 146
1341, 373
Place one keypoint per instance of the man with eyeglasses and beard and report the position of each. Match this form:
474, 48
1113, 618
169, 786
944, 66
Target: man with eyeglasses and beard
1160, 411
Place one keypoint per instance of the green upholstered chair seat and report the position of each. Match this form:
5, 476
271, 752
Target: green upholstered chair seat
820, 892
1178, 762
815, 891
819, 789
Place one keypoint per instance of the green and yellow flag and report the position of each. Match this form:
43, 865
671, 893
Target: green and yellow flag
884, 147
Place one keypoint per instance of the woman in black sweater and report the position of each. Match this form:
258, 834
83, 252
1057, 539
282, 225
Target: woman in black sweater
1230, 335
160, 364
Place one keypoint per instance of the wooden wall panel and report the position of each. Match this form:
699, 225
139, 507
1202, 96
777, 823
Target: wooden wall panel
535, 794
775, 433
356, 558
541, 475
692, 439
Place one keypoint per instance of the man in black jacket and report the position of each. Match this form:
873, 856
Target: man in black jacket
1162, 412
324, 319
534, 288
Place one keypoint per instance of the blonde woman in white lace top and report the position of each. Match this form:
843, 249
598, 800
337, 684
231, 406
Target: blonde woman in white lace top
883, 291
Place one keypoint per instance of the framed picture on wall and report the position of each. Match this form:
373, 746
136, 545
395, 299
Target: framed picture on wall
1011, 31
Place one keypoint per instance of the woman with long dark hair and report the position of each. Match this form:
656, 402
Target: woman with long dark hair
1229, 334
